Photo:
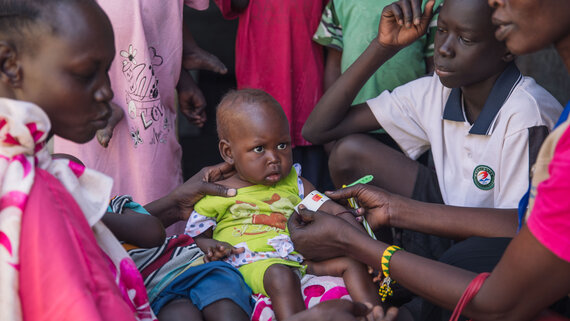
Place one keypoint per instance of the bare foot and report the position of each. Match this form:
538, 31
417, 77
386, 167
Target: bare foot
104, 135
198, 58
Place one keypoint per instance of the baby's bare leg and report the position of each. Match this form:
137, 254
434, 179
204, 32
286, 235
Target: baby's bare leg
179, 310
284, 288
224, 310
355, 275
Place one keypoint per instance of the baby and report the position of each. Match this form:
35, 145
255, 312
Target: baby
250, 229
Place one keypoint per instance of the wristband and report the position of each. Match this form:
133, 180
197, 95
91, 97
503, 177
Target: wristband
313, 201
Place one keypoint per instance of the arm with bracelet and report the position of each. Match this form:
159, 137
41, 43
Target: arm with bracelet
316, 200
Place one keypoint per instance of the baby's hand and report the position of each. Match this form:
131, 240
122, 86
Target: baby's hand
104, 135
216, 250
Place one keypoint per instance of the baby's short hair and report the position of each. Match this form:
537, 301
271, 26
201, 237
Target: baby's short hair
232, 103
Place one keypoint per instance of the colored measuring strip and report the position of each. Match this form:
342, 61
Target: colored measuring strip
353, 204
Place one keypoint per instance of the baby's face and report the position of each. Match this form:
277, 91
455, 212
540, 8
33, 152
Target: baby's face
67, 75
261, 148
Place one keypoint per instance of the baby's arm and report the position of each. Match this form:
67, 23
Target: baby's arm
355, 275
215, 250
334, 208
138, 229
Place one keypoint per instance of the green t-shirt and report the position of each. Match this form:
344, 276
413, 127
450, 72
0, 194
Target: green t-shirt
350, 26
256, 214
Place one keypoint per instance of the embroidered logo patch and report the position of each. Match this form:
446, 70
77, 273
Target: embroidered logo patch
484, 177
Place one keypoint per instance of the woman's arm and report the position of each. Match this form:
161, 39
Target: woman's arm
527, 279
385, 209
179, 203
138, 229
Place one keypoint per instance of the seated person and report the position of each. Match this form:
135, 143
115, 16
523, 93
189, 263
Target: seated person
180, 285
482, 119
249, 230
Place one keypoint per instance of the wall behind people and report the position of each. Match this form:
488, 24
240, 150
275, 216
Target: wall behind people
216, 35
546, 67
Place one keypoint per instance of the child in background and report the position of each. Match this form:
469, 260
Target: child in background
346, 29
144, 156
483, 120
249, 230
275, 53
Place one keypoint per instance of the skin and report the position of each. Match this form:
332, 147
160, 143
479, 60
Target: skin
343, 310
174, 207
459, 61
104, 135
165, 211
504, 296
183, 309
334, 117
257, 144
507, 294
78, 56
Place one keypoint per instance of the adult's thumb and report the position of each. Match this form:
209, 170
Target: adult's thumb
217, 190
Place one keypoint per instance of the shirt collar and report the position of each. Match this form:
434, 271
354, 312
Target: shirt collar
497, 97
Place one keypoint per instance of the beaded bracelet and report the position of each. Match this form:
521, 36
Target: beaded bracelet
385, 289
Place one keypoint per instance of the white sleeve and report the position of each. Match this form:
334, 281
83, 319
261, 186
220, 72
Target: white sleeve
198, 224
407, 112
513, 179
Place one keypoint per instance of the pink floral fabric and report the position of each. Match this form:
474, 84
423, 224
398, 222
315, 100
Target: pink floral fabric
315, 289
58, 261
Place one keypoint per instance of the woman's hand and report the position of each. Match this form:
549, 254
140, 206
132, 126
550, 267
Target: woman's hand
318, 235
201, 184
402, 22
179, 204
374, 202
344, 310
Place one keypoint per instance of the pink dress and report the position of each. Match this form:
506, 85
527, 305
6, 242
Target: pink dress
144, 156
58, 261
275, 52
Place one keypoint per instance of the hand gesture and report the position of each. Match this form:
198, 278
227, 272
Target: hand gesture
402, 22
316, 234
374, 202
202, 183
104, 135
191, 100
216, 250
344, 310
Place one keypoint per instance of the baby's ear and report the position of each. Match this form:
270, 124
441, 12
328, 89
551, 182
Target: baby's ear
226, 151
10, 67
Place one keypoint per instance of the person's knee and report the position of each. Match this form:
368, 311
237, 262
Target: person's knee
343, 154
280, 277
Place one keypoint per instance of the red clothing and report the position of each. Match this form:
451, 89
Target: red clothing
64, 275
275, 53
